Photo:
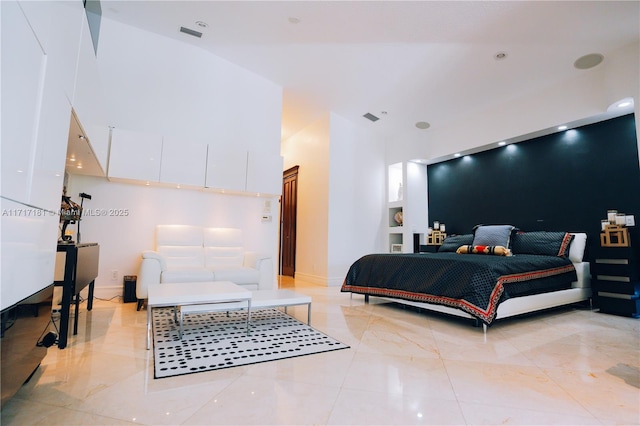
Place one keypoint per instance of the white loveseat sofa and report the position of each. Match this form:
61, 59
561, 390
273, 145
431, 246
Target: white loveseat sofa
194, 254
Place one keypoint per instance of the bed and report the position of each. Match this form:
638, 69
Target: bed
496, 272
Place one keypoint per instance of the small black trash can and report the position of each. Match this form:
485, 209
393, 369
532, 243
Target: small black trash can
130, 288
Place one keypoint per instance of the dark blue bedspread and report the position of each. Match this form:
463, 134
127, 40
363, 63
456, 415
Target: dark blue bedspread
473, 283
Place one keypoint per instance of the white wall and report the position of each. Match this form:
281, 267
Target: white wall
356, 196
309, 149
159, 85
588, 94
341, 197
133, 211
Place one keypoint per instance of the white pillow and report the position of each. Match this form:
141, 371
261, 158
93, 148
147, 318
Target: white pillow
576, 249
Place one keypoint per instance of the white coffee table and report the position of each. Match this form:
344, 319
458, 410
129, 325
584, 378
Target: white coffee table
200, 296
280, 298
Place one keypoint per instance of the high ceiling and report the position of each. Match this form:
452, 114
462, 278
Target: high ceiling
403, 62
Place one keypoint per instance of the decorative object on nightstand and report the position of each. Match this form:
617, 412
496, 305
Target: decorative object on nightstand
616, 269
614, 233
436, 236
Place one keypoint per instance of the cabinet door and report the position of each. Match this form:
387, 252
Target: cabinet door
22, 87
135, 155
28, 251
226, 168
264, 173
183, 162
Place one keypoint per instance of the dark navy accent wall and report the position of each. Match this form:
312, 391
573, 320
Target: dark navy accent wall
561, 182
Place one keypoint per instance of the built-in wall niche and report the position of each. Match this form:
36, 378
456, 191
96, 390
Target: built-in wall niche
395, 216
395, 183
395, 240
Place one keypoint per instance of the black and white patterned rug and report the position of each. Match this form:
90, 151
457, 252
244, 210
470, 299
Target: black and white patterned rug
214, 340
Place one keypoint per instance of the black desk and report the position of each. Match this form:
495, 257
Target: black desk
80, 270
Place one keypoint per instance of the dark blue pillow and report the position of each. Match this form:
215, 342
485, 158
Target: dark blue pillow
452, 242
542, 242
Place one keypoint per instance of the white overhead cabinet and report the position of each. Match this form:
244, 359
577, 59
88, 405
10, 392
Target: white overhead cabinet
22, 90
145, 157
264, 173
135, 156
183, 162
226, 168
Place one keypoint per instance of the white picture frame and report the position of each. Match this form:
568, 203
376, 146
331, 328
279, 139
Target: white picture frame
396, 248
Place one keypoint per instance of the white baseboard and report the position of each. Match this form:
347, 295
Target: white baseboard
104, 292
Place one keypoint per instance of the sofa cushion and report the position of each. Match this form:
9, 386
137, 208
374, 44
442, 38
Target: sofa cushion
182, 256
238, 275
186, 275
223, 247
223, 257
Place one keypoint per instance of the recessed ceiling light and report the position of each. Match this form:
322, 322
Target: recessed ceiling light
588, 61
202, 24
624, 104
81, 137
72, 159
456, 155
503, 143
294, 20
422, 125
500, 56
79, 166
562, 127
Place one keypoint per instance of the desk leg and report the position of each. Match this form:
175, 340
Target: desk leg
248, 316
77, 313
309, 314
90, 297
148, 327
64, 316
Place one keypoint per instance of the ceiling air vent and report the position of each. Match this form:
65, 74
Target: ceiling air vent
190, 32
371, 117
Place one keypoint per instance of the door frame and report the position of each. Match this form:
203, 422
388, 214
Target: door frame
287, 175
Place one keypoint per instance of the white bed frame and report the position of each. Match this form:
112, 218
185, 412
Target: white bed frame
580, 290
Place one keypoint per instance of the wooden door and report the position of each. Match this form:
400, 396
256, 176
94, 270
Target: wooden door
288, 215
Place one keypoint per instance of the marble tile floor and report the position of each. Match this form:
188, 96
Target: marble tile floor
569, 366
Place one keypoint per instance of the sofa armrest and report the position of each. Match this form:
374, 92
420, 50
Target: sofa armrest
263, 263
252, 259
151, 268
150, 254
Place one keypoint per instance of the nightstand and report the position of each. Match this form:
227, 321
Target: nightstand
615, 275
429, 248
